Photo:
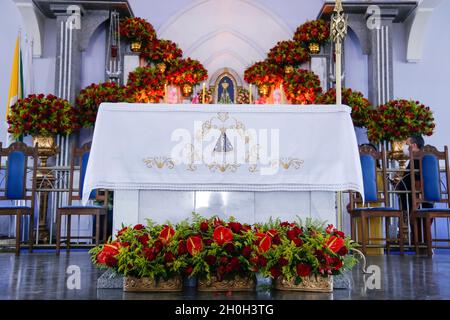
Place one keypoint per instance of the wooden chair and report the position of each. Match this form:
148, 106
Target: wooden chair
81, 156
429, 190
18, 156
369, 158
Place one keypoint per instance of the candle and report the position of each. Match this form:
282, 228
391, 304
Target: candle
165, 92
250, 94
204, 93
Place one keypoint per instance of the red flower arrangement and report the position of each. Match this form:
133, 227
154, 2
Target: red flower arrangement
300, 250
243, 96
288, 53
90, 98
41, 115
186, 71
354, 99
302, 86
312, 31
160, 50
145, 84
137, 29
398, 120
263, 73
226, 251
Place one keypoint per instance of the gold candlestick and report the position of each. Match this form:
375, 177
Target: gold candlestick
204, 93
338, 32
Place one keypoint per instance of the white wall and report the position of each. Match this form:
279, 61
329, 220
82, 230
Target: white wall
428, 80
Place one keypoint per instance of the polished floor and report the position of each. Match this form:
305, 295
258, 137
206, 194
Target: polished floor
42, 275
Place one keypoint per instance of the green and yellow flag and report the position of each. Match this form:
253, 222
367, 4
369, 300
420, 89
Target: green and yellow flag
16, 82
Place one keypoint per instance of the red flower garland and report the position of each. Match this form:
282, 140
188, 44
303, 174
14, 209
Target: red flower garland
41, 115
145, 84
137, 29
90, 98
263, 73
288, 53
313, 31
302, 86
186, 71
398, 120
160, 50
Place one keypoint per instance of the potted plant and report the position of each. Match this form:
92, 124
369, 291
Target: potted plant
354, 99
42, 117
301, 86
186, 73
145, 85
312, 34
161, 53
90, 98
147, 257
264, 74
288, 55
221, 254
303, 256
138, 31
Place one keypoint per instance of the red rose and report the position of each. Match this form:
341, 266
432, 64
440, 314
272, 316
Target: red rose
222, 235
235, 226
262, 261
283, 262
275, 272
246, 251
166, 234
182, 249
229, 248
144, 239
223, 260
158, 245
343, 251
298, 242
204, 226
336, 264
208, 242
169, 257
276, 240
235, 264
303, 270
188, 270
335, 243
194, 245
149, 254
291, 234
210, 259
138, 227
217, 222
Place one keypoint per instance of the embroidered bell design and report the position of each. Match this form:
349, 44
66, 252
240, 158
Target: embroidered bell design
223, 144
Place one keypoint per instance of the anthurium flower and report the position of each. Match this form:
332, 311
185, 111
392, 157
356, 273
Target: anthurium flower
264, 243
166, 233
222, 235
272, 232
335, 243
194, 245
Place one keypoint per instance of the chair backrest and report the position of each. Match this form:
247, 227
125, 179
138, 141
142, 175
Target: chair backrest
433, 170
18, 156
373, 166
80, 158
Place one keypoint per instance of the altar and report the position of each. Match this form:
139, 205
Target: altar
251, 162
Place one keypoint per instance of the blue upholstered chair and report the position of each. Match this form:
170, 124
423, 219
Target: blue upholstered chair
433, 187
80, 157
376, 201
18, 159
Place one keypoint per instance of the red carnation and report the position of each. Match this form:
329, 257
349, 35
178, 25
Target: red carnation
283, 262
262, 261
169, 257
204, 226
275, 272
246, 251
138, 227
182, 249
343, 251
235, 226
229, 248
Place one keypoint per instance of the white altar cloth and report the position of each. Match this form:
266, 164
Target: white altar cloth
266, 148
